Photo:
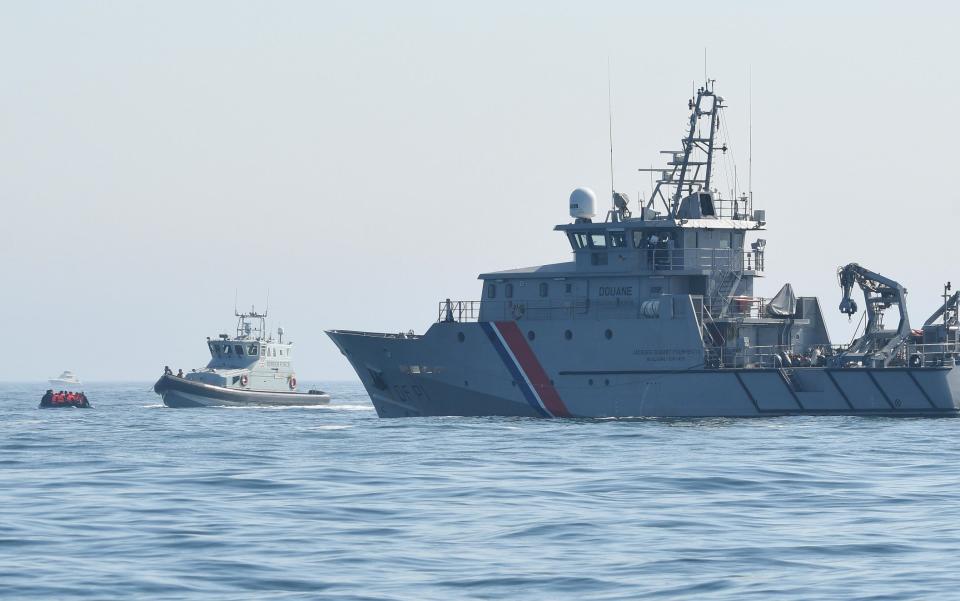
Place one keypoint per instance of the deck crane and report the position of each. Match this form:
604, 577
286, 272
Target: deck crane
877, 347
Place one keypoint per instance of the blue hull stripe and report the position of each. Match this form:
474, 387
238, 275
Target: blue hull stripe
513, 368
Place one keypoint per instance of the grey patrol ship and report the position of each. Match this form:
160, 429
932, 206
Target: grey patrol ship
250, 369
656, 316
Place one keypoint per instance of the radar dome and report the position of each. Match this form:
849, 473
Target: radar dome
583, 203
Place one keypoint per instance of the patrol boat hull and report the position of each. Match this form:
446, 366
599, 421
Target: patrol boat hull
179, 392
490, 371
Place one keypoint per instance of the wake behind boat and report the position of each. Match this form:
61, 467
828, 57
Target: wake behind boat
251, 369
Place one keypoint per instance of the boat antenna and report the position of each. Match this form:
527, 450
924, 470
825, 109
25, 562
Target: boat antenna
235, 302
750, 135
267, 310
705, 65
610, 129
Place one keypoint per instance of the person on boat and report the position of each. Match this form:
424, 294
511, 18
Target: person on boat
179, 373
47, 400
167, 371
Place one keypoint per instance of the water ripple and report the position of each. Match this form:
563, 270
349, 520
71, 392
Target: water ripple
134, 500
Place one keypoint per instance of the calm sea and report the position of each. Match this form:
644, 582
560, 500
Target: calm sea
134, 500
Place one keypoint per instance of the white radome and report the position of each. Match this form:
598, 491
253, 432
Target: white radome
583, 203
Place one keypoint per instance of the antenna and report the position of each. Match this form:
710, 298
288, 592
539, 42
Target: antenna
610, 127
267, 310
750, 134
235, 301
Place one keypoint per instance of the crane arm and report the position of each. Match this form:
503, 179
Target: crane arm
879, 293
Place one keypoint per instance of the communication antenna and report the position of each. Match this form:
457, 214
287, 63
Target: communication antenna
750, 134
610, 128
235, 301
267, 310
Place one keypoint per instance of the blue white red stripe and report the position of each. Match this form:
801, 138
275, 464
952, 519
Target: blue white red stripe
526, 370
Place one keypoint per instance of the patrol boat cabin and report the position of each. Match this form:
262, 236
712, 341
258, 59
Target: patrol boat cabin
251, 359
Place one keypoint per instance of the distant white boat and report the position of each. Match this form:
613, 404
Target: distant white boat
67, 378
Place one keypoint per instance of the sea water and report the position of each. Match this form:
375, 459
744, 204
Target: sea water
134, 500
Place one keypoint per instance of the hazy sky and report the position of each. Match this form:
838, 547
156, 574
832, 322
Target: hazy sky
364, 160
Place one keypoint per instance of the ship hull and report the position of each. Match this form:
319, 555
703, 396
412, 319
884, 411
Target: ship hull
434, 375
181, 393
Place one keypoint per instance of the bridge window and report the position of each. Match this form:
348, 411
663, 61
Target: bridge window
618, 239
598, 241
238, 349
252, 350
508, 290
544, 288
580, 240
491, 290
263, 351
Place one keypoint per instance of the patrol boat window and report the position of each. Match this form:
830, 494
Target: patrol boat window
226, 349
491, 291
618, 239
252, 350
544, 288
508, 290
598, 241
239, 349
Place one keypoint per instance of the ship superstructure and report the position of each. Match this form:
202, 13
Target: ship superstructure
656, 314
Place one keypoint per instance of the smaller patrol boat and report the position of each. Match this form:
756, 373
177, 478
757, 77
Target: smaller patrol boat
67, 378
64, 399
250, 369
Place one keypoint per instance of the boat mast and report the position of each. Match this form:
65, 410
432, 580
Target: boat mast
684, 170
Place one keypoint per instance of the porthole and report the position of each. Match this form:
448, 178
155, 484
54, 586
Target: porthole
461, 337
568, 335
590, 381
608, 334
531, 335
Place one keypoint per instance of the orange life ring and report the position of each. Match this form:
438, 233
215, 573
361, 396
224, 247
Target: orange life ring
244, 380
293, 383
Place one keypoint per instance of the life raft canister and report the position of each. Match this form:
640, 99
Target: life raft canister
244, 380
293, 383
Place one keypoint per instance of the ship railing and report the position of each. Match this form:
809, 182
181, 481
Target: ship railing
704, 259
932, 354
748, 357
458, 311
776, 356
451, 311
732, 208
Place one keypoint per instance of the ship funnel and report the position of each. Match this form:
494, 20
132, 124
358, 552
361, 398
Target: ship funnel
583, 204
